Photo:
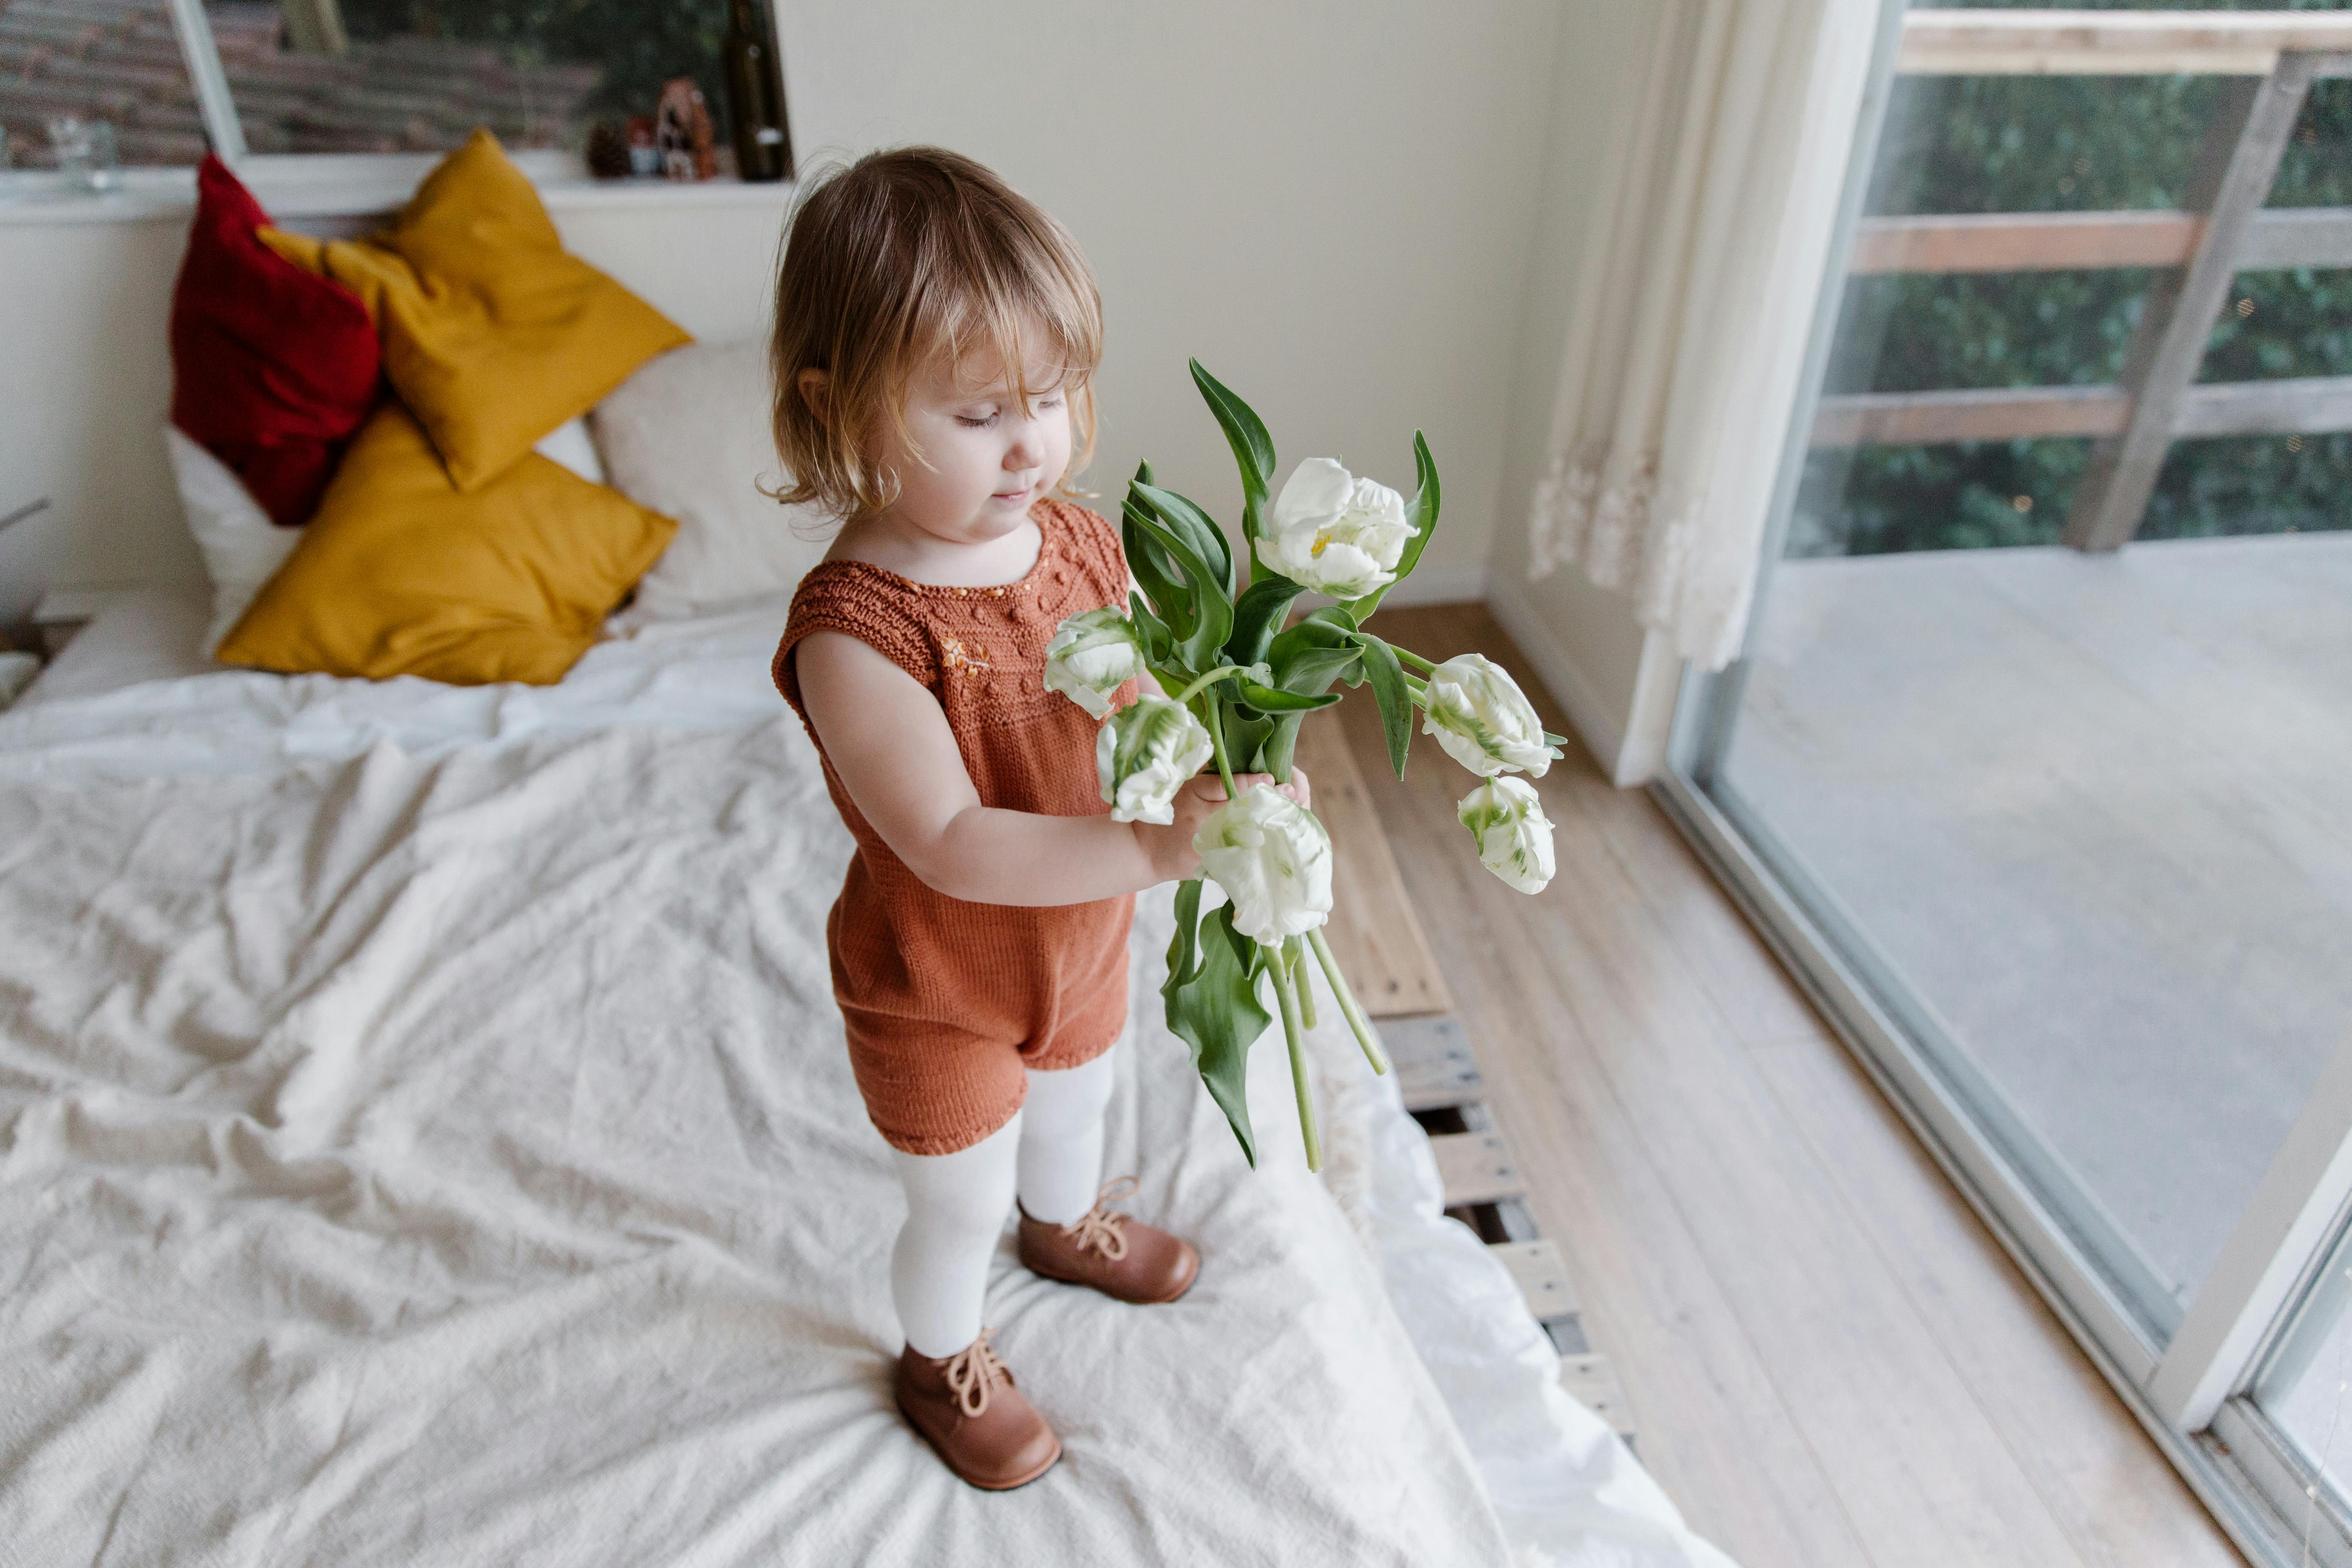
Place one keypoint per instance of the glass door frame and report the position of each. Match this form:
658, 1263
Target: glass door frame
2186, 1374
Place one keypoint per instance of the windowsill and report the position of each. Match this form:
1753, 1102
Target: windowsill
331, 187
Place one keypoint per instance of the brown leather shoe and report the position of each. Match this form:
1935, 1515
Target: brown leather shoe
1122, 1257
967, 1408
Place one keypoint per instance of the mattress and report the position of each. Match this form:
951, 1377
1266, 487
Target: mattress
426, 1137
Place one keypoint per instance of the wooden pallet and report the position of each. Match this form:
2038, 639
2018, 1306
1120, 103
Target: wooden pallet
1438, 1075
1380, 947
1442, 1071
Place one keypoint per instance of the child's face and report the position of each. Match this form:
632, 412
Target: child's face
984, 462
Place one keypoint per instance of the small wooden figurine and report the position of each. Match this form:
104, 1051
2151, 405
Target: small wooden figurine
682, 130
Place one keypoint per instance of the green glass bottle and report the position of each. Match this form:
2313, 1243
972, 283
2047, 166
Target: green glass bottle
755, 94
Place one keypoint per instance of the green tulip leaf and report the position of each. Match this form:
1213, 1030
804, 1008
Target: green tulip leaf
1246, 733
1257, 616
1311, 632
1200, 558
1280, 747
1386, 676
1271, 700
1158, 586
1311, 654
1181, 960
1214, 1007
1253, 449
1189, 522
1200, 619
1157, 641
1156, 573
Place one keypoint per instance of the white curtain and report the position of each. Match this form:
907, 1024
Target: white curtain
1693, 303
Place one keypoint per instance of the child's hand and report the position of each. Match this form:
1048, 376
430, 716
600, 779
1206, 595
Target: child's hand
1296, 789
1171, 847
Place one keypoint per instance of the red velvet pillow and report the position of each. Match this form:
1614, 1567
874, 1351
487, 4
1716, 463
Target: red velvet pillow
273, 369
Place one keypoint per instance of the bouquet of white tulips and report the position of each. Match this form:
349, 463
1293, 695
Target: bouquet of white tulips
1210, 629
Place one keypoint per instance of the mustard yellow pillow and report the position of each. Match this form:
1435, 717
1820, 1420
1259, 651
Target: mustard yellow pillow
492, 334
402, 573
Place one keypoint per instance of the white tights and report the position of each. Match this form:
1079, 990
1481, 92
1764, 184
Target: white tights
1050, 1154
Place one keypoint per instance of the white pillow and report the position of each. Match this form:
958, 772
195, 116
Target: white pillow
569, 445
689, 437
241, 547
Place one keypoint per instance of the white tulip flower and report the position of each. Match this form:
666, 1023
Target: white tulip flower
1334, 532
1483, 719
1092, 656
1273, 861
1513, 833
1145, 753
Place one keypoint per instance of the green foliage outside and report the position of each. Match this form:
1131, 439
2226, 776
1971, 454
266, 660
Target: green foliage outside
637, 46
1984, 144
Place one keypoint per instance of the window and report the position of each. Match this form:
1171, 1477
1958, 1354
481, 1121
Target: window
2132, 955
68, 67
417, 76
153, 83
2034, 758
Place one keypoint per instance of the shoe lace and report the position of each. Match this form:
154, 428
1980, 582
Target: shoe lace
1099, 1229
972, 1374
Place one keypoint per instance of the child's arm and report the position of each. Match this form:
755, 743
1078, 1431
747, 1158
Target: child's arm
896, 755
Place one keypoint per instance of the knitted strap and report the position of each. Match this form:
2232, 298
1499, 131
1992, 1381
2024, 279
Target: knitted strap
856, 605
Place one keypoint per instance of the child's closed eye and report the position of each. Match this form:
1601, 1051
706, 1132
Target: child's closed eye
988, 421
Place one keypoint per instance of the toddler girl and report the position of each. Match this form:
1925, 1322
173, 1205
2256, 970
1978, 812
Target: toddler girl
935, 336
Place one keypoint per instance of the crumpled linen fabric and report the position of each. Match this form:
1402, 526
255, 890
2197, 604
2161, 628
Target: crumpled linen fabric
426, 1136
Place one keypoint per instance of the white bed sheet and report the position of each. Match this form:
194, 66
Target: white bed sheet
427, 1139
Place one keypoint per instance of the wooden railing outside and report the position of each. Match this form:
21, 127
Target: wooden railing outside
2271, 58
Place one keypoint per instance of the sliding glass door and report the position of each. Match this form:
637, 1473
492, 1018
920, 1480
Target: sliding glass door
2038, 761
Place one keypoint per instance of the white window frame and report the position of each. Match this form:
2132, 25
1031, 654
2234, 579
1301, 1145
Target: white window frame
208, 80
327, 186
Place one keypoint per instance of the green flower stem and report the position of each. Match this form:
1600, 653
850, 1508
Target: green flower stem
1294, 952
1417, 690
1213, 717
1219, 673
1406, 655
1287, 997
1348, 1007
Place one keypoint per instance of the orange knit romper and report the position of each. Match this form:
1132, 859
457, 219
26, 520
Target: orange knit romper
946, 1003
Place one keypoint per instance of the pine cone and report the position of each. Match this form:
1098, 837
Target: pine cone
608, 151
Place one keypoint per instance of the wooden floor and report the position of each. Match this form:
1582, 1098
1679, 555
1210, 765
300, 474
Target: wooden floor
2089, 808
1830, 1360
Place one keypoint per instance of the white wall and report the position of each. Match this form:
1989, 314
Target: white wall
85, 380
1328, 203
1616, 680
1362, 216
86, 373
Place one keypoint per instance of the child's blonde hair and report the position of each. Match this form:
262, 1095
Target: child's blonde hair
899, 259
